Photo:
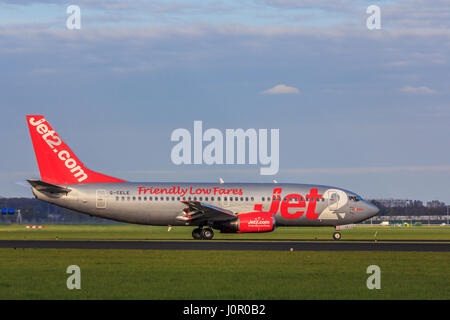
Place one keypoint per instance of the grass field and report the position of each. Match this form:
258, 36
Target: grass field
136, 232
152, 274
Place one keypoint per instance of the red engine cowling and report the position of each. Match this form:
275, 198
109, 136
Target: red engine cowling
251, 222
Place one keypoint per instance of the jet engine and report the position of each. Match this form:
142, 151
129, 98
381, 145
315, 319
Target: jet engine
250, 222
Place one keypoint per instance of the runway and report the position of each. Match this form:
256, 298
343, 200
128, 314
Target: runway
298, 245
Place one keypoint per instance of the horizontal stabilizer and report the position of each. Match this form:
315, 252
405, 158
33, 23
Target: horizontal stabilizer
48, 187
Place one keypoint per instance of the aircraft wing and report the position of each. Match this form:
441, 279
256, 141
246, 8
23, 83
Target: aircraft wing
199, 212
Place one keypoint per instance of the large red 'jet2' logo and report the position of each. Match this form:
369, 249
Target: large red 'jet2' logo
293, 201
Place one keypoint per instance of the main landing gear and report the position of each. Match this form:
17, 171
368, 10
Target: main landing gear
203, 234
337, 236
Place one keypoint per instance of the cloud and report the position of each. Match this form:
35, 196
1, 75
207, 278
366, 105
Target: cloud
421, 90
135, 50
397, 64
297, 171
418, 14
281, 89
337, 5
364, 170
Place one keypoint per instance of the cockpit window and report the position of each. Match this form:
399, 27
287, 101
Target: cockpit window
354, 198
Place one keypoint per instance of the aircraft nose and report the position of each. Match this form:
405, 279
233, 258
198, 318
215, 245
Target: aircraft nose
371, 209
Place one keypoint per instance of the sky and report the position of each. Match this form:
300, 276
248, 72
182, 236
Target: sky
365, 110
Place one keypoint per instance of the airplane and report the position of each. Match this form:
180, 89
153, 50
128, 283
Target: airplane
227, 207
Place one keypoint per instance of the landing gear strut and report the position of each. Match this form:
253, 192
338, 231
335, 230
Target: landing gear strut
336, 236
203, 234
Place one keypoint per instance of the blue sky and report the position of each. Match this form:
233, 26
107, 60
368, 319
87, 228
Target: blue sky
372, 114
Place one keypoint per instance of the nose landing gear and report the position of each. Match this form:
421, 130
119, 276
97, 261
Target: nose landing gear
203, 234
337, 236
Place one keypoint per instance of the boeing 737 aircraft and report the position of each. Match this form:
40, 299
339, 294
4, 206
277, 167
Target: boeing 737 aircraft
228, 207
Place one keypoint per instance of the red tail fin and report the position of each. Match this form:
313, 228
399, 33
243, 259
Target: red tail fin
57, 163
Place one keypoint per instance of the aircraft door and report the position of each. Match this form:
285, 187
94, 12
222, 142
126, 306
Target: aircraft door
100, 199
225, 203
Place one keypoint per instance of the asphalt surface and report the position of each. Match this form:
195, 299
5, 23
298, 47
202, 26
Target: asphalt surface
228, 245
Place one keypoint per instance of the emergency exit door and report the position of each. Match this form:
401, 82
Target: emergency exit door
100, 199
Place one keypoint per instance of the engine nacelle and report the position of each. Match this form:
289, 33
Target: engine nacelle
250, 222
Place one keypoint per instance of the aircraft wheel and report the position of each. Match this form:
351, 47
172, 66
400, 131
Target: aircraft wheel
196, 234
336, 236
207, 234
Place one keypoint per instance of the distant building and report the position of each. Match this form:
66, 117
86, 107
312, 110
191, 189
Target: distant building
417, 203
435, 204
402, 203
396, 219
